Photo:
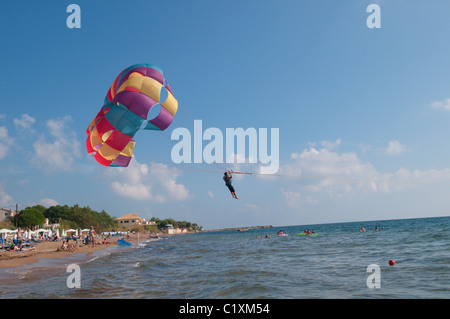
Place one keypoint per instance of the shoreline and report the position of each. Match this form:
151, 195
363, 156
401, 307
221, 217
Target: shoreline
14, 259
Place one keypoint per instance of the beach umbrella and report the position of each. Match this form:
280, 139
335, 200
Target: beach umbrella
70, 231
4, 232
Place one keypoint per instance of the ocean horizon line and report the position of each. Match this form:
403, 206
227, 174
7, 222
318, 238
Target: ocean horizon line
232, 228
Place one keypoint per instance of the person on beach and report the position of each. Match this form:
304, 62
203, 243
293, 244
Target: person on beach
92, 236
227, 178
66, 246
267, 235
19, 237
362, 229
16, 248
376, 228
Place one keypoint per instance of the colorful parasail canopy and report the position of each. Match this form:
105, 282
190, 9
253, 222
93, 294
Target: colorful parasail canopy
127, 104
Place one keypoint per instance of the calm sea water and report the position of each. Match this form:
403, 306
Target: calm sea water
236, 264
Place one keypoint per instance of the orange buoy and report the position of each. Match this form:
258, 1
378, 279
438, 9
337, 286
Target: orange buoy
391, 262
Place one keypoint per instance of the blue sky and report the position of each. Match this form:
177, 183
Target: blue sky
351, 103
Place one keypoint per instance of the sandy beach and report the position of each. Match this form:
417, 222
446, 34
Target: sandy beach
11, 259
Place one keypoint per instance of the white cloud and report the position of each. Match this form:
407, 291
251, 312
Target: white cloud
48, 202
322, 172
321, 166
129, 181
252, 207
441, 105
167, 179
3, 150
395, 148
432, 176
3, 132
156, 182
296, 199
318, 171
25, 122
62, 152
330, 145
5, 199
5, 142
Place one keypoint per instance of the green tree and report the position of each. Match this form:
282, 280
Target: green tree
30, 217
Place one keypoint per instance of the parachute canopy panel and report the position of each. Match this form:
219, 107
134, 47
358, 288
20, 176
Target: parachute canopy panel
126, 107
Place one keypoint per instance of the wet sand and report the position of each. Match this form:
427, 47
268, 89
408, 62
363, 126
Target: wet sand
11, 259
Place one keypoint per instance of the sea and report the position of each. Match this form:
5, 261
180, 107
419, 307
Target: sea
339, 263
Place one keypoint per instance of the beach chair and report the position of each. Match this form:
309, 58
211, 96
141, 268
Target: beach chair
4, 246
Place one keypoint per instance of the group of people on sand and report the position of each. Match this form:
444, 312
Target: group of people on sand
19, 244
89, 240
17, 247
68, 243
66, 246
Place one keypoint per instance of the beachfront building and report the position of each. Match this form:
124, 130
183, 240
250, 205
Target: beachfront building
48, 225
172, 230
130, 220
6, 214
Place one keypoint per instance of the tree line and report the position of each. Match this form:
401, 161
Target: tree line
162, 223
67, 216
82, 217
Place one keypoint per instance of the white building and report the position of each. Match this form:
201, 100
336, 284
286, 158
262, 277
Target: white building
6, 214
